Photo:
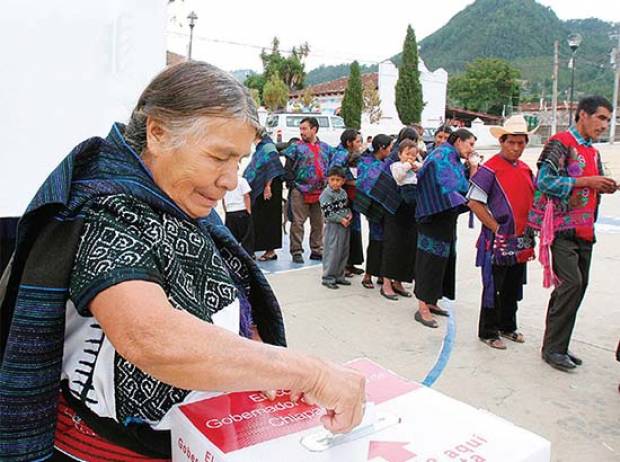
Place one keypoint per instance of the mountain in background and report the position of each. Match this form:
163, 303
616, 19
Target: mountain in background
326, 73
522, 32
242, 74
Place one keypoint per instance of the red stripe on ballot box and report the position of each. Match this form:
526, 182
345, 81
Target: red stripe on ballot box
238, 420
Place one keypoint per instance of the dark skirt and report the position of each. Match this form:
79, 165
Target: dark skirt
267, 217
374, 257
399, 244
356, 247
435, 266
240, 225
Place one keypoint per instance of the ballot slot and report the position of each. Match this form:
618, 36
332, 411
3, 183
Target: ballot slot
374, 421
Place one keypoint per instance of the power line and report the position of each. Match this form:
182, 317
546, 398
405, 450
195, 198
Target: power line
262, 47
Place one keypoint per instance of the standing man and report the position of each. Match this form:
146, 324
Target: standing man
570, 180
307, 163
501, 195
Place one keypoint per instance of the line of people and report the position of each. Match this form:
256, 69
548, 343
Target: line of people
412, 198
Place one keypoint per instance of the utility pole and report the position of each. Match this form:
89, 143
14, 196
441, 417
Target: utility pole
614, 114
554, 98
574, 40
192, 22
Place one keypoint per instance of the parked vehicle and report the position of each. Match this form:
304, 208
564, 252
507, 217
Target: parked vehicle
283, 127
429, 135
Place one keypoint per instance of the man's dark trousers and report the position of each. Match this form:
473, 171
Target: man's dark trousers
571, 264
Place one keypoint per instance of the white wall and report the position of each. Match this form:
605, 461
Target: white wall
434, 91
70, 69
388, 76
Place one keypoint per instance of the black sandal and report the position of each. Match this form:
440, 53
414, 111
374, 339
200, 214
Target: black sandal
496, 343
392, 297
515, 336
430, 323
367, 283
401, 292
438, 311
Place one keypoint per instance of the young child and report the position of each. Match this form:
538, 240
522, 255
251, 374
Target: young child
404, 171
238, 208
334, 205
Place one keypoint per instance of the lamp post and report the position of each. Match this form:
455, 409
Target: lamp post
574, 40
192, 22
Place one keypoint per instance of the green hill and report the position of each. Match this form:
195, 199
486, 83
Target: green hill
521, 32
326, 73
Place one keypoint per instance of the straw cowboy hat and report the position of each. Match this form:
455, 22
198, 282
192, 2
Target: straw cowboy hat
514, 125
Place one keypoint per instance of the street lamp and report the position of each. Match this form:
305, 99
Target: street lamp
192, 22
574, 40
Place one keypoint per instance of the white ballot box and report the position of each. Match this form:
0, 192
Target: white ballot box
406, 422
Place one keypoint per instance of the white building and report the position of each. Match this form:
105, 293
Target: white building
73, 67
434, 91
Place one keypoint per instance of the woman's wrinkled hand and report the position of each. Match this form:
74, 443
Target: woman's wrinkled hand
341, 391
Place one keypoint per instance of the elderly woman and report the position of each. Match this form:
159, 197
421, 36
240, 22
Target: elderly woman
126, 292
442, 186
264, 173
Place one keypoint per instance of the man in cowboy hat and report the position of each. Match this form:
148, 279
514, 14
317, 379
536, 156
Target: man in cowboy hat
501, 195
568, 186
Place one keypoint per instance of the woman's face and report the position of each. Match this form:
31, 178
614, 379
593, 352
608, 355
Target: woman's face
384, 152
441, 138
197, 174
356, 145
465, 148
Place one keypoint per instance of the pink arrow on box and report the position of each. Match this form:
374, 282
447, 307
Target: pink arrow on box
392, 451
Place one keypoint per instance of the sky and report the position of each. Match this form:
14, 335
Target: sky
230, 34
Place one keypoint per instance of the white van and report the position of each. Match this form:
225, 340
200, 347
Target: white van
284, 126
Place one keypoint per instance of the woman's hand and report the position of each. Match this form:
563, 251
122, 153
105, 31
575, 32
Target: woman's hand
341, 391
267, 193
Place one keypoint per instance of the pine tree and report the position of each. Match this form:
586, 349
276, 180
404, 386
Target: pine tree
409, 103
353, 101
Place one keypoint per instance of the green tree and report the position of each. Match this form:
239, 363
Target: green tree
291, 69
255, 96
409, 103
256, 82
353, 100
487, 85
275, 92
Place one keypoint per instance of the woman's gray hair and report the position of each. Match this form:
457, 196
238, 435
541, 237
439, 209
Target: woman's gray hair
182, 95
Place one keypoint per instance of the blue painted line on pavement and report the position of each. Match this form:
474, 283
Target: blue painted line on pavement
609, 220
444, 354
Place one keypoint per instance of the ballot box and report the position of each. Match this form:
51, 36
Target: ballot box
405, 421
